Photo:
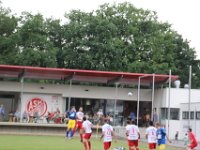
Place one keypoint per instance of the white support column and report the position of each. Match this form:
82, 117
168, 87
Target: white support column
169, 100
21, 97
115, 104
69, 98
152, 96
189, 93
138, 100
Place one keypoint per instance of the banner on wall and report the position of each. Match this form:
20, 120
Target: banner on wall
37, 105
41, 104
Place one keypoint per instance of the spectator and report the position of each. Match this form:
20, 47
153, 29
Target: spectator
132, 115
36, 116
25, 116
111, 120
95, 119
176, 136
16, 117
57, 116
155, 116
100, 116
2, 113
185, 140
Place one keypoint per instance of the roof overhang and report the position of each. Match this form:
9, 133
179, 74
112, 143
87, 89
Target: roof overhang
107, 77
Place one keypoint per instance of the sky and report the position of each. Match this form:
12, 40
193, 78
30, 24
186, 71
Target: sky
182, 14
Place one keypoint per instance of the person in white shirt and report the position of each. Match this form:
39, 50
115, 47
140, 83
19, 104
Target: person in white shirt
133, 134
87, 128
108, 134
79, 121
151, 136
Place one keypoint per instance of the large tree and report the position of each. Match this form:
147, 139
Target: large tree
124, 38
8, 25
34, 43
118, 37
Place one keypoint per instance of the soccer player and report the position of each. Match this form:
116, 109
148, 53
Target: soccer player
161, 137
151, 136
133, 134
107, 133
192, 139
71, 122
79, 121
86, 126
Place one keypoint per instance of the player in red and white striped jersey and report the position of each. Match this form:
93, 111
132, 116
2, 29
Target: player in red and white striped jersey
133, 134
108, 134
151, 136
79, 121
87, 128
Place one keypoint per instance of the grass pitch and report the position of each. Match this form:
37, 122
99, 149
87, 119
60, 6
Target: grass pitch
13, 142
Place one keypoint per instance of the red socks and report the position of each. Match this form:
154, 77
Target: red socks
85, 145
89, 144
81, 136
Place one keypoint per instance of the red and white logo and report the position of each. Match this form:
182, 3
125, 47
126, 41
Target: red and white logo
37, 105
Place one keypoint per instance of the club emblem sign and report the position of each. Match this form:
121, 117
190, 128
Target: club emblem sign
37, 105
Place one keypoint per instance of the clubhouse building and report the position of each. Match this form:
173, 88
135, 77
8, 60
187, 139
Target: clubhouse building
148, 96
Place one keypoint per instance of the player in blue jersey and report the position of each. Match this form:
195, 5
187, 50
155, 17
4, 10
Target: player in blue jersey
161, 137
71, 122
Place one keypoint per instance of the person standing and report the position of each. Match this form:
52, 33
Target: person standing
2, 113
133, 134
176, 136
108, 134
192, 140
151, 136
185, 140
87, 128
161, 137
71, 122
132, 115
79, 121
155, 116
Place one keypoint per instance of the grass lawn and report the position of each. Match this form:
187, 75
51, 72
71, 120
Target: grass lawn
11, 142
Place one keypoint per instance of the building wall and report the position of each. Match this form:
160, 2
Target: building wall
77, 91
178, 96
194, 123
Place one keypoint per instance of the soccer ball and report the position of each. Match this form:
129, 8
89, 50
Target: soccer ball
130, 94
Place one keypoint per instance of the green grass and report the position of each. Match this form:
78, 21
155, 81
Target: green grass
11, 142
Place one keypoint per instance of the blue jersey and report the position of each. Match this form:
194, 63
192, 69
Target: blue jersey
72, 115
161, 133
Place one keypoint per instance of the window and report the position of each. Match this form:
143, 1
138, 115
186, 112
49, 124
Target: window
174, 113
192, 115
198, 115
185, 115
164, 113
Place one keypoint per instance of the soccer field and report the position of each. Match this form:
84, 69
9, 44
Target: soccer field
10, 142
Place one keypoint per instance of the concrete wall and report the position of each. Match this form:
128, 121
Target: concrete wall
177, 98
78, 91
194, 123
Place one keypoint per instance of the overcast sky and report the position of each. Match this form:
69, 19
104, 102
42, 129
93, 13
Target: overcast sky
182, 14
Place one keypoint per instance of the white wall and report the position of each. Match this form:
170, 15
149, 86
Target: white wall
77, 91
179, 99
41, 103
195, 124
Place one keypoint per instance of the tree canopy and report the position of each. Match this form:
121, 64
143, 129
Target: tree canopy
115, 37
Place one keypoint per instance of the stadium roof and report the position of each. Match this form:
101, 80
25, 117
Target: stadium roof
81, 75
